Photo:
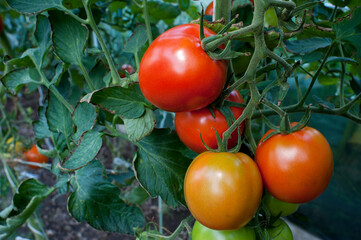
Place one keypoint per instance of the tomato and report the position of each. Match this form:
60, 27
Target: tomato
280, 231
33, 155
201, 232
176, 75
190, 124
19, 147
210, 9
223, 190
295, 167
126, 68
277, 207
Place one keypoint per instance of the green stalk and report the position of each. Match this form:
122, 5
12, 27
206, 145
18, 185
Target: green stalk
86, 76
342, 79
147, 21
90, 20
4, 41
222, 9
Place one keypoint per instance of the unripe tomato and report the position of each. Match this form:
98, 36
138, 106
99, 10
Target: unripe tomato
19, 147
126, 68
190, 124
295, 167
201, 232
177, 75
277, 207
33, 155
280, 231
223, 190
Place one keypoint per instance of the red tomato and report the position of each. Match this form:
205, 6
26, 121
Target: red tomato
209, 9
126, 68
223, 190
175, 73
295, 167
33, 155
190, 124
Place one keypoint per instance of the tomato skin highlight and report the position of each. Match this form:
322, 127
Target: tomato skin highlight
297, 167
189, 126
201, 232
176, 74
223, 190
33, 155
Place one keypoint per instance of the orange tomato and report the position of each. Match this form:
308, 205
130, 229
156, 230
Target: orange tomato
223, 190
33, 155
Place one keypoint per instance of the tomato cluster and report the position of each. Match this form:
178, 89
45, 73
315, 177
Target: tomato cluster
223, 190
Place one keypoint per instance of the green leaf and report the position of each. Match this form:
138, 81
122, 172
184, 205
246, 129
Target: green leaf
41, 127
29, 195
161, 10
127, 102
34, 6
14, 80
342, 59
42, 34
160, 166
97, 75
84, 118
183, 4
89, 146
327, 80
98, 202
69, 37
307, 45
137, 195
58, 116
356, 85
137, 40
349, 30
138, 128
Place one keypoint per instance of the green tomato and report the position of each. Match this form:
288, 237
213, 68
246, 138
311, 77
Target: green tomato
280, 231
270, 18
201, 232
277, 207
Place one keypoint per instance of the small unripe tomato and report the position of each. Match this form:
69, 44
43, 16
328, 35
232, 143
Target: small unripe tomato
280, 231
277, 207
223, 190
201, 232
126, 68
19, 147
33, 155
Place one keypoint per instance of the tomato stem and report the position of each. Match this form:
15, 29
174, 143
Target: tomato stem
222, 10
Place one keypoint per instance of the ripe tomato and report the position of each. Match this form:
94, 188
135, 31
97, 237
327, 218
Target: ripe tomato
190, 124
295, 167
280, 231
201, 232
33, 155
277, 207
176, 75
223, 190
210, 9
126, 68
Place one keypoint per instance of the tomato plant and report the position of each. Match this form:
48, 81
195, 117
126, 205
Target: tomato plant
33, 155
200, 232
19, 147
189, 126
295, 167
175, 73
280, 231
277, 207
223, 190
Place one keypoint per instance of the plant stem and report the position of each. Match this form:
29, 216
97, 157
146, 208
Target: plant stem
90, 20
314, 78
222, 9
249, 135
60, 97
86, 75
147, 21
342, 78
4, 41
